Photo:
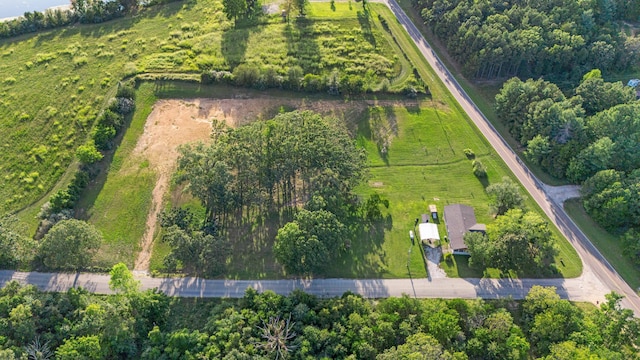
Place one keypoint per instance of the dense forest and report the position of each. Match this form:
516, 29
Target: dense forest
591, 138
137, 324
558, 39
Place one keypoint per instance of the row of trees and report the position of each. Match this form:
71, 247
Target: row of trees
149, 325
335, 83
83, 11
558, 39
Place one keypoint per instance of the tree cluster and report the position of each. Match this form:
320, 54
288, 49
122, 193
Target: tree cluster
296, 159
572, 137
558, 39
276, 163
515, 241
592, 138
149, 325
79, 325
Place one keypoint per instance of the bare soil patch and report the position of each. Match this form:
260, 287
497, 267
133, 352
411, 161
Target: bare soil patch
176, 122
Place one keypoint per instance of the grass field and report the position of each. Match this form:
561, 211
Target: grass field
54, 83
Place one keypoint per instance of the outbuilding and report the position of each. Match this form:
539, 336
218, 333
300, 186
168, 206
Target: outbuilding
429, 234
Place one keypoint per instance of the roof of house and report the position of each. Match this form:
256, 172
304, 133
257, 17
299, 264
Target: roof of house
459, 220
429, 231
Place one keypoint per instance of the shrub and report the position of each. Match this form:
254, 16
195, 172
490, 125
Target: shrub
246, 75
479, 170
294, 77
80, 61
88, 154
385, 85
352, 84
469, 153
102, 136
110, 117
126, 91
448, 257
122, 106
312, 83
223, 77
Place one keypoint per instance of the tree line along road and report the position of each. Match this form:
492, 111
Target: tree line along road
598, 276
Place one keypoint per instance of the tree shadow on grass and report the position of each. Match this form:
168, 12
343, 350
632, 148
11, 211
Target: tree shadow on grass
252, 244
364, 256
234, 45
302, 45
364, 18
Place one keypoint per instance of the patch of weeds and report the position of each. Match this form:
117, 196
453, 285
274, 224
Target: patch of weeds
80, 61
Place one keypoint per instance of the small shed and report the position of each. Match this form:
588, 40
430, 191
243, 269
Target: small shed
434, 212
429, 234
633, 83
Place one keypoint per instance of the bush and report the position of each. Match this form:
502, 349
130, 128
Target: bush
126, 91
479, 170
88, 154
312, 83
223, 77
352, 84
110, 117
102, 136
122, 106
469, 153
245, 75
448, 257
294, 77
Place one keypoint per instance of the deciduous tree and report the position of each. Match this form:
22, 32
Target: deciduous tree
505, 196
69, 245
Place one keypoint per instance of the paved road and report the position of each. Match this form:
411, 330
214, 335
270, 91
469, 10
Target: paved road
598, 277
595, 265
580, 289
